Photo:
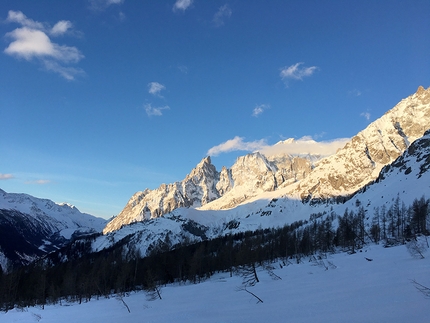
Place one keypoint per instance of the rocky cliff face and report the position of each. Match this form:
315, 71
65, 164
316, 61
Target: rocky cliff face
250, 175
255, 173
414, 162
361, 160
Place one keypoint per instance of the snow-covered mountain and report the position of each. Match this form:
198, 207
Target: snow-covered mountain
406, 179
301, 177
250, 175
32, 226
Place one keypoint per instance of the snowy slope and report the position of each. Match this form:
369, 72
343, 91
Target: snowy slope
354, 290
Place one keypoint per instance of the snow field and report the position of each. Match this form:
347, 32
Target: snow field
357, 290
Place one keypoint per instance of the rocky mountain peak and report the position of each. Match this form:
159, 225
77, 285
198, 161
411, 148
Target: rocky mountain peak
205, 169
423, 95
362, 158
196, 189
420, 90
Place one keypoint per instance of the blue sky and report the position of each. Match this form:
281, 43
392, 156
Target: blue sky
103, 98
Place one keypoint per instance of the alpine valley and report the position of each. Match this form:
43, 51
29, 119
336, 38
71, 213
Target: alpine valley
267, 206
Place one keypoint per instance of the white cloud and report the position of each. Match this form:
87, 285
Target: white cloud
296, 72
20, 18
222, 13
155, 88
304, 145
61, 27
155, 111
31, 41
235, 144
366, 115
6, 176
182, 5
259, 109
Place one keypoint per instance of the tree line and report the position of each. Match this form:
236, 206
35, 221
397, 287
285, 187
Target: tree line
82, 275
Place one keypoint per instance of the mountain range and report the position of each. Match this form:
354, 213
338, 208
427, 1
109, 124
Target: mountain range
387, 160
303, 177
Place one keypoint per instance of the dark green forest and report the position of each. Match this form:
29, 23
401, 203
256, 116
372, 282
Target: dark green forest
120, 270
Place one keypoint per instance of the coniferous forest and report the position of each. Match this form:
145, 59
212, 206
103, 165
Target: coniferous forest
121, 269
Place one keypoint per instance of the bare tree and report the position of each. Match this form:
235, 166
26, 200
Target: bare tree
120, 298
250, 278
152, 288
249, 275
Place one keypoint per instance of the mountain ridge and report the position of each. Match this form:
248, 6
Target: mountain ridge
341, 174
379, 144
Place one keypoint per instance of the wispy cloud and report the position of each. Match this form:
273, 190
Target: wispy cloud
69, 73
366, 115
155, 88
32, 41
296, 72
304, 145
354, 92
235, 144
183, 69
155, 111
182, 5
122, 16
223, 13
103, 4
6, 176
39, 182
259, 109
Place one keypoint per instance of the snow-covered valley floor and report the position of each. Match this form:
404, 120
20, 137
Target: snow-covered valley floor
357, 290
